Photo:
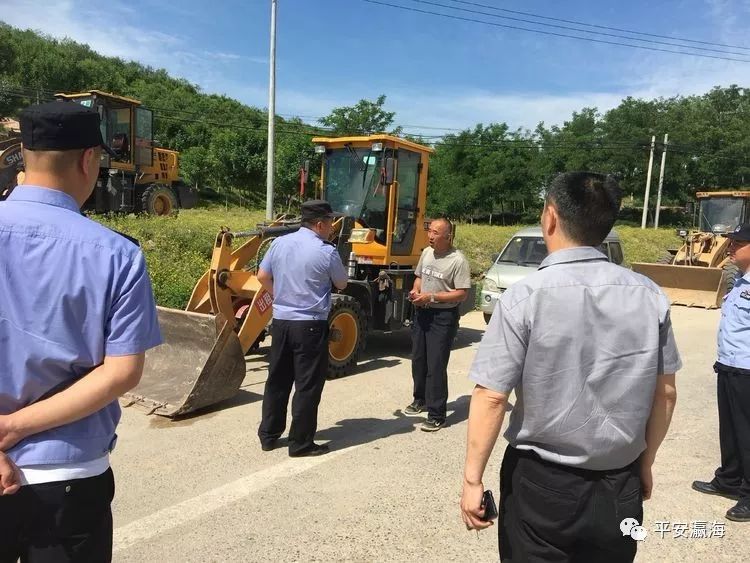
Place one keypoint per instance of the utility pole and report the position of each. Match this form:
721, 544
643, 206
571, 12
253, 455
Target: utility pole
648, 183
271, 115
661, 180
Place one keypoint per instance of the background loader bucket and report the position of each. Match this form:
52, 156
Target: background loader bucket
199, 364
694, 286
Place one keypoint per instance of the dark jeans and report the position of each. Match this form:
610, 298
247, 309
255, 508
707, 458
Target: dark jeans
65, 521
299, 356
433, 333
555, 513
733, 396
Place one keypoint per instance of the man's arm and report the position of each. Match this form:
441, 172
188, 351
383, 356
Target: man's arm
266, 280
486, 413
86, 396
665, 399
339, 276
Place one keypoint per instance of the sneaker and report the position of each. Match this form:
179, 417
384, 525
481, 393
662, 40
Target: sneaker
432, 425
415, 409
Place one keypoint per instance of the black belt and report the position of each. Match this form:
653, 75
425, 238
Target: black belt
729, 369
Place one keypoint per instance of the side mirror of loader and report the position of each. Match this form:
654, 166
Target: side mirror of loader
390, 167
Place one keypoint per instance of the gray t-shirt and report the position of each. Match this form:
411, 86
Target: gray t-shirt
443, 272
582, 342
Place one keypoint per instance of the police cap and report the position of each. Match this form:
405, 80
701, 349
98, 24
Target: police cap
316, 209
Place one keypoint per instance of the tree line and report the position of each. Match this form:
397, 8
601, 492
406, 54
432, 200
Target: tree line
489, 168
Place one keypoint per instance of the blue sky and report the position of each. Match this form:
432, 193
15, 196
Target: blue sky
436, 72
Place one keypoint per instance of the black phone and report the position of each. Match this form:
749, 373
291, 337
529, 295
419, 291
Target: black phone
490, 508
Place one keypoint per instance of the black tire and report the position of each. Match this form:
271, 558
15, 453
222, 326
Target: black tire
731, 274
487, 317
343, 346
666, 258
159, 200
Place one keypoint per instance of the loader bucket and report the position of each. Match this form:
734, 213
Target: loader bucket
199, 364
694, 286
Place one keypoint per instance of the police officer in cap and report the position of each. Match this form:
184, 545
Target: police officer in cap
299, 270
732, 478
76, 318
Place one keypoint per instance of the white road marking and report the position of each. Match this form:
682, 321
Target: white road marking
173, 516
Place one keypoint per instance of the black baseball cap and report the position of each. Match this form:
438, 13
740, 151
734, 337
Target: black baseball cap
318, 209
741, 232
61, 126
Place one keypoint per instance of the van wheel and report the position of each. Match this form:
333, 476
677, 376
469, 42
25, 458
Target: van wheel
487, 317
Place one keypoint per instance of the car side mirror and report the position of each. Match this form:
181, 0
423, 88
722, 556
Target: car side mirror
390, 166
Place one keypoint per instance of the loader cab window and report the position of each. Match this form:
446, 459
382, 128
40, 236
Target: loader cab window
721, 214
118, 125
353, 186
409, 167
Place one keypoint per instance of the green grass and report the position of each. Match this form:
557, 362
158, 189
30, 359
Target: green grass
178, 249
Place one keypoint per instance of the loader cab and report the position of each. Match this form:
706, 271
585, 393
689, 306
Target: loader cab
126, 127
381, 182
721, 212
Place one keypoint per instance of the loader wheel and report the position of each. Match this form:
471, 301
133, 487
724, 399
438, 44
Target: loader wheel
158, 200
731, 273
346, 336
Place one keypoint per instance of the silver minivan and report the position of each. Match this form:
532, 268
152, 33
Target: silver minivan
522, 255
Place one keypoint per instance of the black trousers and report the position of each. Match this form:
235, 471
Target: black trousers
733, 396
65, 521
433, 332
299, 356
554, 513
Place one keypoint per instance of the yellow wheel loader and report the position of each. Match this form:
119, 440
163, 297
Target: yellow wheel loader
141, 178
379, 183
699, 273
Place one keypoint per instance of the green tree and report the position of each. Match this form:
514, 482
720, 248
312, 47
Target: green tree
364, 118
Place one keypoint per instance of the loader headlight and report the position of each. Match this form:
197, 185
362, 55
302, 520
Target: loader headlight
362, 235
320, 149
682, 233
377, 147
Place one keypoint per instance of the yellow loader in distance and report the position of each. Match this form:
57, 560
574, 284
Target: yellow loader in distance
379, 183
699, 273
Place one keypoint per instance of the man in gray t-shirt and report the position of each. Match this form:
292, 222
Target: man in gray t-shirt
588, 348
442, 280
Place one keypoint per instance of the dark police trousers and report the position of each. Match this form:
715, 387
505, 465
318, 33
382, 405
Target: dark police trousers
554, 513
299, 356
64, 521
733, 397
432, 333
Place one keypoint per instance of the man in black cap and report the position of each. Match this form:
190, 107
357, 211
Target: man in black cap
77, 316
298, 270
732, 478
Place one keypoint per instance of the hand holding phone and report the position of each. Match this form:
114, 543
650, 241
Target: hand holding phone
490, 508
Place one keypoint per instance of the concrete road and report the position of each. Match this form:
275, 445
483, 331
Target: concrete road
202, 490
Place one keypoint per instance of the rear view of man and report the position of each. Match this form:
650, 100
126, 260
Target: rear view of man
588, 348
76, 317
299, 270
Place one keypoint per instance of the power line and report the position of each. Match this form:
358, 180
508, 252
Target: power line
554, 34
539, 16
558, 26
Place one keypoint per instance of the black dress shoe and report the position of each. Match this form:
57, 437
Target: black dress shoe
711, 489
739, 513
268, 446
314, 450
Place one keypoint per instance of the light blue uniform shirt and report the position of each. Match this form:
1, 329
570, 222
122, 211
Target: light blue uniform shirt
71, 293
734, 328
303, 267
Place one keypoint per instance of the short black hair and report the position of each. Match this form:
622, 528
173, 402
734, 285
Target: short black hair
587, 204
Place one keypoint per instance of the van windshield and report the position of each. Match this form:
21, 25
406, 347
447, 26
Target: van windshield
524, 251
